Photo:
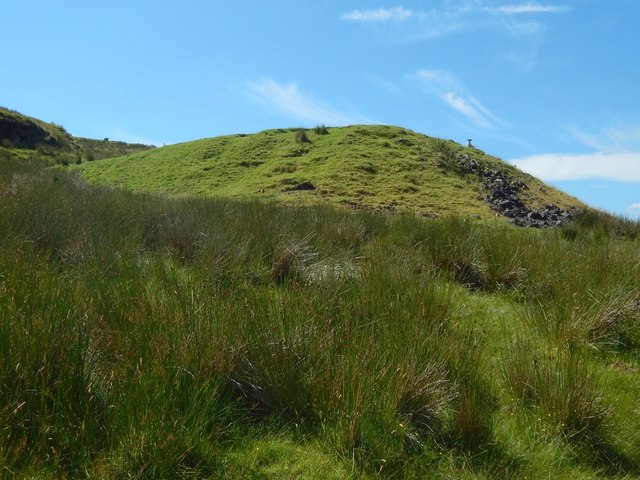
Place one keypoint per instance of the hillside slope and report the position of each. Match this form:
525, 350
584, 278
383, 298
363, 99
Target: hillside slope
27, 137
378, 167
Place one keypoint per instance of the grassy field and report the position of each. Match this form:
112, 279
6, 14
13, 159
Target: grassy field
152, 337
374, 167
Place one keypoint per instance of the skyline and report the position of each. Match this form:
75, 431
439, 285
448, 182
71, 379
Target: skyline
548, 86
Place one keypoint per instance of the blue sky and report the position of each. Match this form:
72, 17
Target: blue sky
552, 86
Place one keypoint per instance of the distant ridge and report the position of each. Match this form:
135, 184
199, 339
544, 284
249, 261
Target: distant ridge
28, 136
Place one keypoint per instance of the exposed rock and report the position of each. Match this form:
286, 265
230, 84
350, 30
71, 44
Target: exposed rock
503, 198
468, 165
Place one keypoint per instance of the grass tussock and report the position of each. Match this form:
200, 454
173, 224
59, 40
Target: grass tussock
148, 337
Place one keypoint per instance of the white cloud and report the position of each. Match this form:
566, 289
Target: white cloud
291, 102
527, 8
633, 211
616, 156
466, 106
449, 89
378, 15
623, 166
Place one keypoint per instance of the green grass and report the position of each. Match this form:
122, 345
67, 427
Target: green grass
144, 336
374, 167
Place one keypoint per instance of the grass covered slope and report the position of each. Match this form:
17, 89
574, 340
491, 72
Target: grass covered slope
149, 337
22, 132
380, 167
27, 137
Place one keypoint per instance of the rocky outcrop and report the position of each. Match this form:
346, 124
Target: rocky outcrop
502, 196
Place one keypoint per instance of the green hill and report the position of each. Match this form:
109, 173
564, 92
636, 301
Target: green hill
27, 137
373, 167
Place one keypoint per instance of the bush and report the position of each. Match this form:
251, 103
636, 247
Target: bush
321, 130
446, 151
301, 136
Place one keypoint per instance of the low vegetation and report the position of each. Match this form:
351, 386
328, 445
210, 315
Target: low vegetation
144, 336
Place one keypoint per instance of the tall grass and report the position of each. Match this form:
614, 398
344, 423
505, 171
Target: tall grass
147, 337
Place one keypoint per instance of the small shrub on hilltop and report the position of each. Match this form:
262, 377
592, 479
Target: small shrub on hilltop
301, 136
443, 147
321, 130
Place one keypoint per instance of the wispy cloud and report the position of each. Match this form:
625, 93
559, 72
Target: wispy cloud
527, 8
613, 139
378, 15
623, 167
291, 102
521, 21
457, 17
616, 157
451, 91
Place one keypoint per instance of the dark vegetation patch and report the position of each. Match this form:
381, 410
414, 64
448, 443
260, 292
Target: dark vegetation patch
301, 187
285, 168
299, 152
253, 163
21, 132
368, 168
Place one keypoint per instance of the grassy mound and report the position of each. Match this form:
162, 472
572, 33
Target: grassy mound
373, 167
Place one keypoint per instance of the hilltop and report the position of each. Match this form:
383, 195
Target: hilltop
370, 167
27, 137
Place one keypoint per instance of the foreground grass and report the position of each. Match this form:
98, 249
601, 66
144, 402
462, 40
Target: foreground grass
144, 337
